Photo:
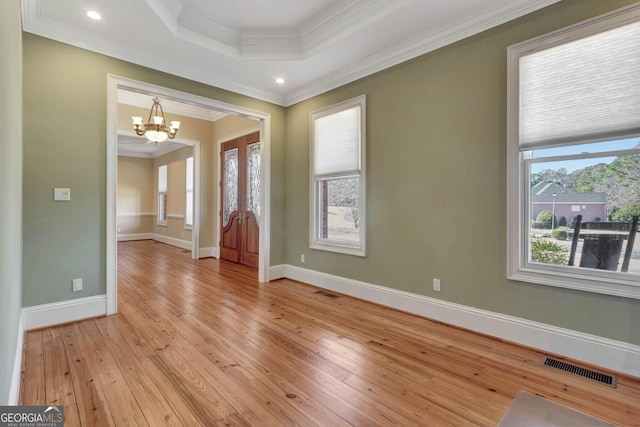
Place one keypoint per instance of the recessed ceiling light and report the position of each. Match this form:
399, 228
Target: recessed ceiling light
94, 15
280, 80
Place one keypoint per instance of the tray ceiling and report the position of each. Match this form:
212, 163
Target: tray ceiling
244, 45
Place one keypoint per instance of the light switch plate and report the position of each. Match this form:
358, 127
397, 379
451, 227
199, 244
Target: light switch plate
62, 194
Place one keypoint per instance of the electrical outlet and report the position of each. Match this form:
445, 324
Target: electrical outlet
77, 285
302, 258
436, 285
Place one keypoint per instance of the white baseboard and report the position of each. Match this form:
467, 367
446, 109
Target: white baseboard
616, 355
14, 388
184, 244
210, 252
45, 315
277, 272
134, 236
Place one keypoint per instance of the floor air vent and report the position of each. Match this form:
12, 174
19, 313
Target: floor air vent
328, 295
589, 374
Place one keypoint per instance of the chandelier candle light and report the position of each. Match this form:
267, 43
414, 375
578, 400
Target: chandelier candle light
155, 130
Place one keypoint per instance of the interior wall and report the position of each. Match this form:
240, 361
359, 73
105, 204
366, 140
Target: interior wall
197, 130
65, 86
10, 191
135, 207
436, 182
176, 193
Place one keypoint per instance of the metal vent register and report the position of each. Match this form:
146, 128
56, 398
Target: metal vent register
589, 374
327, 294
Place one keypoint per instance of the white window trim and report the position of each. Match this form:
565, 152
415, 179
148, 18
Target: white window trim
186, 192
314, 220
518, 267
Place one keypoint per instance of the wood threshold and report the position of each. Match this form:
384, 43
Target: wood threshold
201, 342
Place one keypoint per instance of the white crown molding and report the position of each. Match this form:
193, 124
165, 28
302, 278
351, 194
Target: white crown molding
34, 22
125, 153
426, 42
168, 12
128, 140
342, 20
145, 101
320, 31
616, 355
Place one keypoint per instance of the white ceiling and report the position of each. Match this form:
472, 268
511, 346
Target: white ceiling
244, 45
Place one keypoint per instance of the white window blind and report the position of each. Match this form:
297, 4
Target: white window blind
337, 143
583, 90
162, 179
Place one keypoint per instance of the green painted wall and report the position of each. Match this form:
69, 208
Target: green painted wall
436, 176
65, 91
10, 189
436, 181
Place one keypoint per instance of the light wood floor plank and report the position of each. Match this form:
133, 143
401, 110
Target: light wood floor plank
202, 343
34, 366
58, 384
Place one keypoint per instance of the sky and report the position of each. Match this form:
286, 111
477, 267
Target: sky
571, 165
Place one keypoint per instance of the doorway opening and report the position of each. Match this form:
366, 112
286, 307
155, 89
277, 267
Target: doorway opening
116, 84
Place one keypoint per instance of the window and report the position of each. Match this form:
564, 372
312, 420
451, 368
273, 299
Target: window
338, 178
162, 194
574, 153
188, 211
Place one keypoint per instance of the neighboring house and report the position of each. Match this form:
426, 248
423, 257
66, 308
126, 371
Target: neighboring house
568, 204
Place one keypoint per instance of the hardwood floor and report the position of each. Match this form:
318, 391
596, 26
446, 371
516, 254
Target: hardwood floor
201, 343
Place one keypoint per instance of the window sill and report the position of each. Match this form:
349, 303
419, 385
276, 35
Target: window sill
614, 284
339, 248
162, 224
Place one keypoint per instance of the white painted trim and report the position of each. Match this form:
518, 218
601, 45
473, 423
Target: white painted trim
616, 355
210, 252
277, 272
183, 244
45, 315
175, 216
14, 388
115, 83
136, 215
111, 255
134, 236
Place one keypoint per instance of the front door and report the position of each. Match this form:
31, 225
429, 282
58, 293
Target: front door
240, 192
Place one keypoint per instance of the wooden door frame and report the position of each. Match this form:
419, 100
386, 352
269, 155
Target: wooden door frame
216, 233
117, 82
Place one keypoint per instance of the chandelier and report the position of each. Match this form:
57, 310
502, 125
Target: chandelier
155, 129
